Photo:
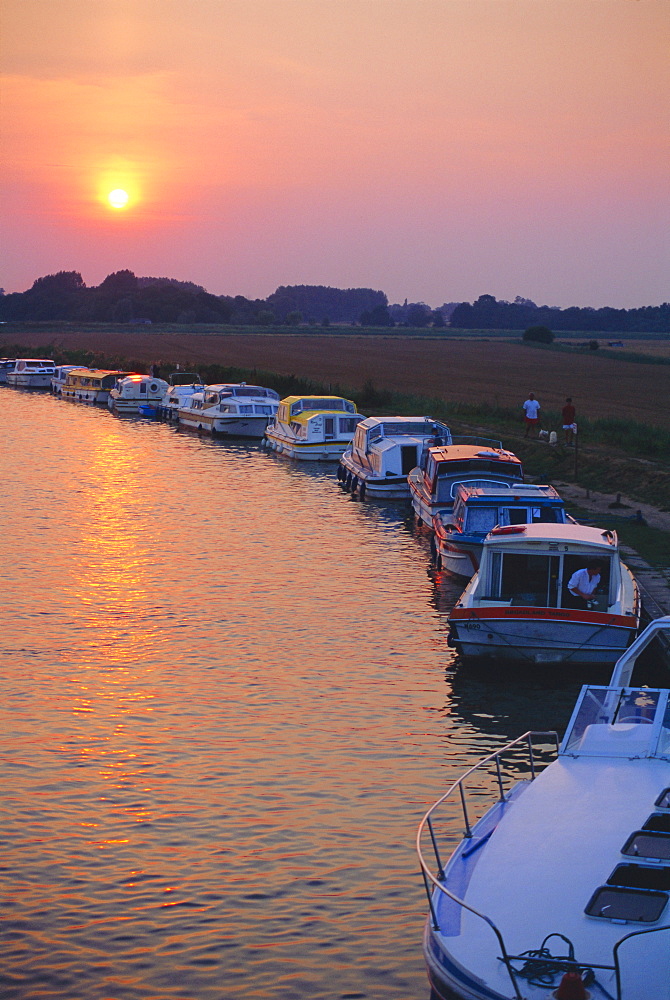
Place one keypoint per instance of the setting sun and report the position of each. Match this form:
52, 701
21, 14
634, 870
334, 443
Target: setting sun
118, 198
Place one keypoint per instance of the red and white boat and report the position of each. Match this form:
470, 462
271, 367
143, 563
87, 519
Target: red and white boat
518, 607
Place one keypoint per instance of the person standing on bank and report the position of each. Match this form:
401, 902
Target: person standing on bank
568, 413
531, 408
582, 585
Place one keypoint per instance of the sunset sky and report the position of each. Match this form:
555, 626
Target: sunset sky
434, 149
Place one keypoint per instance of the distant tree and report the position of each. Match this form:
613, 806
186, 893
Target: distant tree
539, 334
438, 319
123, 311
593, 345
418, 314
293, 318
377, 316
265, 317
119, 283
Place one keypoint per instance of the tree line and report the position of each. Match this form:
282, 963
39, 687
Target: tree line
125, 298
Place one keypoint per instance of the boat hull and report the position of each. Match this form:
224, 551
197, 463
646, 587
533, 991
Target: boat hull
459, 558
100, 396
316, 451
234, 426
20, 380
356, 479
541, 635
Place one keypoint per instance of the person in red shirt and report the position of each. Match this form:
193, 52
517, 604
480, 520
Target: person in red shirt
569, 425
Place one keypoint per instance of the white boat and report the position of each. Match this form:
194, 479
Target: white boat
383, 452
517, 605
231, 409
91, 385
314, 427
481, 463
6, 364
59, 377
182, 386
133, 391
458, 534
31, 373
561, 888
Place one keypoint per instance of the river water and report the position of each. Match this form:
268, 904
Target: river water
227, 700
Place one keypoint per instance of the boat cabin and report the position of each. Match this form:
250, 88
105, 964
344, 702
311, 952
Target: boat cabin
326, 417
450, 466
242, 399
530, 565
408, 438
91, 385
479, 509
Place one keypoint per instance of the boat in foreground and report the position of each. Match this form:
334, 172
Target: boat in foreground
230, 409
314, 427
383, 452
518, 605
459, 534
480, 463
561, 888
31, 373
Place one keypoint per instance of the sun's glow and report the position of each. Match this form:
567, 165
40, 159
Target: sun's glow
118, 198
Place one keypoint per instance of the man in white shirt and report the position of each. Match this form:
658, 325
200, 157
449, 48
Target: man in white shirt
531, 408
582, 585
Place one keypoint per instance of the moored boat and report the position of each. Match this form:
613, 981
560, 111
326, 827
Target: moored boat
459, 533
383, 452
313, 427
230, 409
520, 604
91, 385
6, 364
31, 373
562, 887
59, 377
133, 391
182, 386
481, 463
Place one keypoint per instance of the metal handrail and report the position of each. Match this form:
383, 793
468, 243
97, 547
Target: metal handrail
436, 880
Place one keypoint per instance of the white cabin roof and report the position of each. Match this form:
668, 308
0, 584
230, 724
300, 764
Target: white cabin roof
579, 534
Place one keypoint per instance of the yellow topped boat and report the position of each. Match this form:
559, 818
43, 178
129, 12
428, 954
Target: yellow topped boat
90, 385
315, 427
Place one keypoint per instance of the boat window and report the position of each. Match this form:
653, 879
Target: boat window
619, 903
261, 408
601, 596
640, 877
407, 458
481, 519
529, 581
663, 801
518, 515
348, 424
648, 844
614, 722
246, 408
223, 407
375, 432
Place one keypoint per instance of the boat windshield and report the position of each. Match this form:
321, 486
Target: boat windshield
620, 722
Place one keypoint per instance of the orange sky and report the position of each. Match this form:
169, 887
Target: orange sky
434, 149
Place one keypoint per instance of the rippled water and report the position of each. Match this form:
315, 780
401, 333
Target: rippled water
227, 700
